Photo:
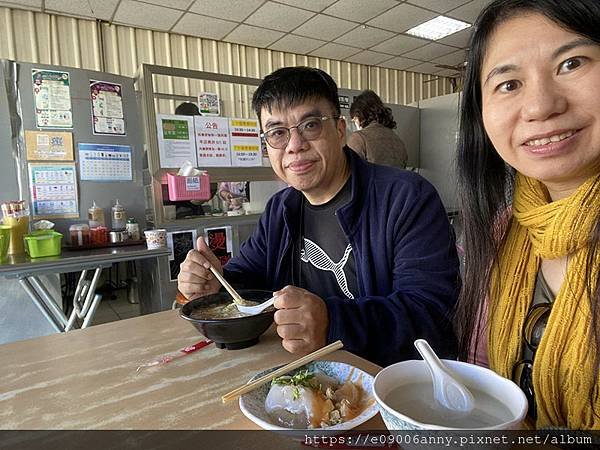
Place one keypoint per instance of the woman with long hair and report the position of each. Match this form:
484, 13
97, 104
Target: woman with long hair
529, 172
375, 139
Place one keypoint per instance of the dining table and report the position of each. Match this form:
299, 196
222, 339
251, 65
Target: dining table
113, 377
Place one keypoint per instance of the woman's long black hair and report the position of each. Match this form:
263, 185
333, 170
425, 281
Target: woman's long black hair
486, 182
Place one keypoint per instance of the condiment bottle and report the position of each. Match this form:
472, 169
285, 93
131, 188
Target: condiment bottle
133, 229
99, 236
96, 216
80, 235
118, 217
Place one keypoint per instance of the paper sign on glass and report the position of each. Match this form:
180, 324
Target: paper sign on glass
212, 141
176, 142
244, 135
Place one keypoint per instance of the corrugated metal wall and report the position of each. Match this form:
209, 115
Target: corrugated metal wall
52, 39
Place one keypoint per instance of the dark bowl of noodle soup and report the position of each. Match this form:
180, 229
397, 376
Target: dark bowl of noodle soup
217, 318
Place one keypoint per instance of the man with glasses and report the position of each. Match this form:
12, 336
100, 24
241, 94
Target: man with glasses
352, 250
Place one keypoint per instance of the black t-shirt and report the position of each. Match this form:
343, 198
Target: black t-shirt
327, 266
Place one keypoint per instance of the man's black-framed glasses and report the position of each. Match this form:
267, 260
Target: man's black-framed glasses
310, 129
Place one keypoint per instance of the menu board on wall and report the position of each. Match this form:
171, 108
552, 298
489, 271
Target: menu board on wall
212, 141
49, 145
176, 140
107, 108
52, 98
244, 136
53, 189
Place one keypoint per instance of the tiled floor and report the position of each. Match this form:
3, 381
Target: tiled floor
110, 310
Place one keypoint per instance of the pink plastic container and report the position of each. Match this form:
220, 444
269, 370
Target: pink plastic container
188, 188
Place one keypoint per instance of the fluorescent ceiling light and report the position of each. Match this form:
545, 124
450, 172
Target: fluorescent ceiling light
437, 28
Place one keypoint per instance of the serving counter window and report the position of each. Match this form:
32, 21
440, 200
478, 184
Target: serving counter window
206, 167
224, 147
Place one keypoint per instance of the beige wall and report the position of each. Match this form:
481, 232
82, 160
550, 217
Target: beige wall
66, 41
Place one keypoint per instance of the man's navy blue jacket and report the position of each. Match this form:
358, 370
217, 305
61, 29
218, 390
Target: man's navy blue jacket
406, 262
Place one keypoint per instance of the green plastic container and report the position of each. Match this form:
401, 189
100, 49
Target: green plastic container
4, 241
42, 244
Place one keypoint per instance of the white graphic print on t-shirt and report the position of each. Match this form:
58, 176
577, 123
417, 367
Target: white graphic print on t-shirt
317, 257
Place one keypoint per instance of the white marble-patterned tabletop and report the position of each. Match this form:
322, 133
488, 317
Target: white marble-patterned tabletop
87, 379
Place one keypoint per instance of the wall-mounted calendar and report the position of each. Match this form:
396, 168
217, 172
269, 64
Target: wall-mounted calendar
105, 162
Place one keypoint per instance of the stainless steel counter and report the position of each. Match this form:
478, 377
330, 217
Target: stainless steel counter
49, 303
17, 266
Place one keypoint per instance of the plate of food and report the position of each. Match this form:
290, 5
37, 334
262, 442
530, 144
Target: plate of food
322, 395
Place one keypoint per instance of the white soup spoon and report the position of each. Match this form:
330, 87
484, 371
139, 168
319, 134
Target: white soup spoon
257, 309
448, 392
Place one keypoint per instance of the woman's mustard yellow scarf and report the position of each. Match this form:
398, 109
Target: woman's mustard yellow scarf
562, 370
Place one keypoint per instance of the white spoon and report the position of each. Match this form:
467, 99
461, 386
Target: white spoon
447, 391
255, 309
237, 298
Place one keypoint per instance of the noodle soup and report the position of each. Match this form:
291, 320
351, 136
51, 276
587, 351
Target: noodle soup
217, 318
220, 311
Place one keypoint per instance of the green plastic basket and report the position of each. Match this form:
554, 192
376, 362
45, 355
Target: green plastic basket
43, 244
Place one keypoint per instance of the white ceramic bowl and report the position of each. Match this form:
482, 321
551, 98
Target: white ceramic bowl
477, 377
252, 404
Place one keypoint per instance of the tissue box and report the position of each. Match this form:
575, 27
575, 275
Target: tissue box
188, 188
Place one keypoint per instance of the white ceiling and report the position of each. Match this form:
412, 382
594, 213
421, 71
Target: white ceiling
368, 32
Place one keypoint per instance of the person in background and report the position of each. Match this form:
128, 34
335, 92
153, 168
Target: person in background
351, 250
529, 172
233, 193
187, 109
375, 139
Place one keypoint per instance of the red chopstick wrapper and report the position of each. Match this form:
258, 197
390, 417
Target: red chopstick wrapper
182, 352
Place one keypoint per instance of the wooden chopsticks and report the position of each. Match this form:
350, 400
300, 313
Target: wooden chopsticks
282, 371
237, 298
